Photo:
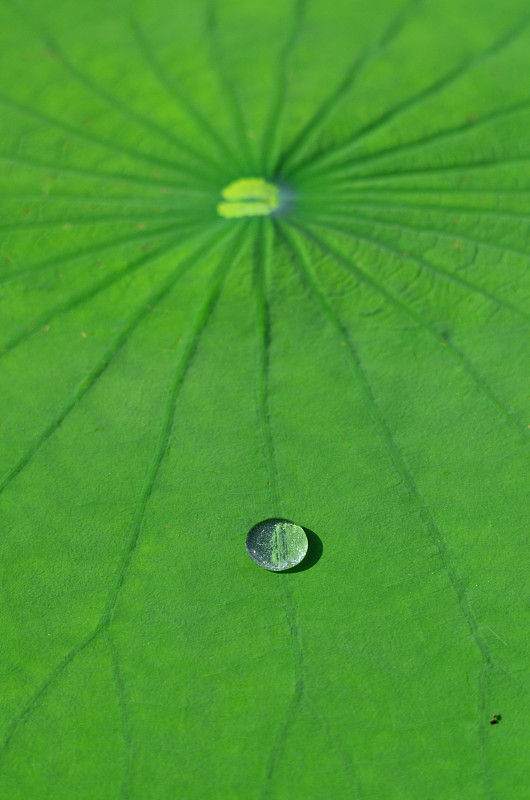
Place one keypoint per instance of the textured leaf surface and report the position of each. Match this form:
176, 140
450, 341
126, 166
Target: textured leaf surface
357, 363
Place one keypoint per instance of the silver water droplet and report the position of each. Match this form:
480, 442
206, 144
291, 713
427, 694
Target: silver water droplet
276, 544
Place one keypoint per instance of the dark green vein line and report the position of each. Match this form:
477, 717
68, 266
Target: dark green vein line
437, 334
377, 200
231, 258
301, 144
353, 783
407, 148
386, 436
48, 196
481, 730
298, 690
113, 102
127, 217
495, 245
435, 269
397, 460
89, 382
271, 136
179, 96
445, 169
96, 248
489, 192
263, 252
35, 699
267, 790
100, 141
328, 157
229, 92
102, 364
262, 256
124, 712
83, 172
85, 295
297, 698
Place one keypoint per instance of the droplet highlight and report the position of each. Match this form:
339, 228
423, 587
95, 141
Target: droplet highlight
276, 544
249, 197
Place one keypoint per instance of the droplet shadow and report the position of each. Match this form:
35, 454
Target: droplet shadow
314, 554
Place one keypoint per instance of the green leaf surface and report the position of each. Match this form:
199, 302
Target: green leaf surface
356, 361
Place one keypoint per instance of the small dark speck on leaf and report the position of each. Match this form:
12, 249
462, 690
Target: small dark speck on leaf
496, 718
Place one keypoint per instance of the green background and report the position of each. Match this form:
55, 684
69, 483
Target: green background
357, 363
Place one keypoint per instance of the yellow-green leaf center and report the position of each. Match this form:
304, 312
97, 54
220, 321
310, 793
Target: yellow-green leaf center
248, 197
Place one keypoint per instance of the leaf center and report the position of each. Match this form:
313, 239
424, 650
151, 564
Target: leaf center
248, 197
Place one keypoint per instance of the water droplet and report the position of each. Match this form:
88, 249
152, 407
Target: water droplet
276, 544
249, 197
